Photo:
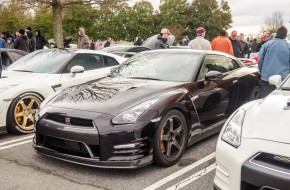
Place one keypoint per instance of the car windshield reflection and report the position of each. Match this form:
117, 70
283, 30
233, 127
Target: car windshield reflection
169, 66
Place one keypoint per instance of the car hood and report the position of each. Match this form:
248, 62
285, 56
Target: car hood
14, 77
269, 118
111, 96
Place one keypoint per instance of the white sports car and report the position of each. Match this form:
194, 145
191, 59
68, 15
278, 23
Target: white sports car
32, 78
253, 149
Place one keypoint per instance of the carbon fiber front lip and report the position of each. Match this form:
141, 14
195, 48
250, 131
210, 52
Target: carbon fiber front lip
94, 162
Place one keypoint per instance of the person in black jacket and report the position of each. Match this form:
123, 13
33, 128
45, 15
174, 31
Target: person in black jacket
162, 39
32, 41
236, 44
22, 41
40, 40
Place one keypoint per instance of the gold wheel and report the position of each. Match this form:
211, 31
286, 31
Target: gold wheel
24, 112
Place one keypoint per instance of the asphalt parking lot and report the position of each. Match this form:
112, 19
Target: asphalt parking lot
22, 168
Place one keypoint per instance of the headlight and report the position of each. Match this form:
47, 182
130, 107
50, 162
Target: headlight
233, 130
132, 114
4, 88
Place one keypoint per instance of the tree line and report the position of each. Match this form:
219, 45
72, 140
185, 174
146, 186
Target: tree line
117, 19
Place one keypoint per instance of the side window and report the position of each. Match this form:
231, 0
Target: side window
233, 65
110, 61
88, 61
6, 61
16, 55
213, 63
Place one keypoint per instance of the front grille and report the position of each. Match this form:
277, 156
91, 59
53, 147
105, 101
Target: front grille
66, 146
74, 121
271, 161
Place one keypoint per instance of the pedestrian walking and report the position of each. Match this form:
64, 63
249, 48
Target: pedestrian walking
108, 42
22, 42
162, 39
83, 41
222, 43
199, 42
236, 44
40, 40
274, 60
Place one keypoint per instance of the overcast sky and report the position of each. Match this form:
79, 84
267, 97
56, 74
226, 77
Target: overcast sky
249, 15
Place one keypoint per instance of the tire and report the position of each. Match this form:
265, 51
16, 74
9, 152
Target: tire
171, 132
20, 115
255, 93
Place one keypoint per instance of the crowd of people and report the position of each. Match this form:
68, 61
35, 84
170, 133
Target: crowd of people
273, 52
23, 39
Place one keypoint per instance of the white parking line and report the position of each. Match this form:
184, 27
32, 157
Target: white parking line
16, 144
16, 140
192, 178
180, 172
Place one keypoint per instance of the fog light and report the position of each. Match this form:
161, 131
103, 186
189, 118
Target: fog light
124, 146
222, 171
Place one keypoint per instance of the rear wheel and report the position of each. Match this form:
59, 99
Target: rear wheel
170, 139
20, 116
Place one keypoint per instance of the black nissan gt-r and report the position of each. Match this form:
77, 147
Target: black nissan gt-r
149, 109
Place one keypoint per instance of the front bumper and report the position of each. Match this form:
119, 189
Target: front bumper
94, 162
236, 172
99, 145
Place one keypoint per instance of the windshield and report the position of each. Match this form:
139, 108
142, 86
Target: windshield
168, 66
43, 61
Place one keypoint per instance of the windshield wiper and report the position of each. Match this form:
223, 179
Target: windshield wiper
23, 71
144, 78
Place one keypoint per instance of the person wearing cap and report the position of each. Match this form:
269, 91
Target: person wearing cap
236, 44
222, 43
162, 39
274, 60
199, 42
22, 41
264, 40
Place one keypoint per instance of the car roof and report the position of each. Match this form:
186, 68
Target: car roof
122, 48
187, 50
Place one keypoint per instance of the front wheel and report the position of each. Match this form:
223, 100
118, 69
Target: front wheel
20, 116
255, 93
170, 139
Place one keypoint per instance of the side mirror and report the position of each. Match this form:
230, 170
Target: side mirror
112, 70
275, 80
76, 69
212, 75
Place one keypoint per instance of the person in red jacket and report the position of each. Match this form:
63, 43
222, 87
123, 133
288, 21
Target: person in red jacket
222, 43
